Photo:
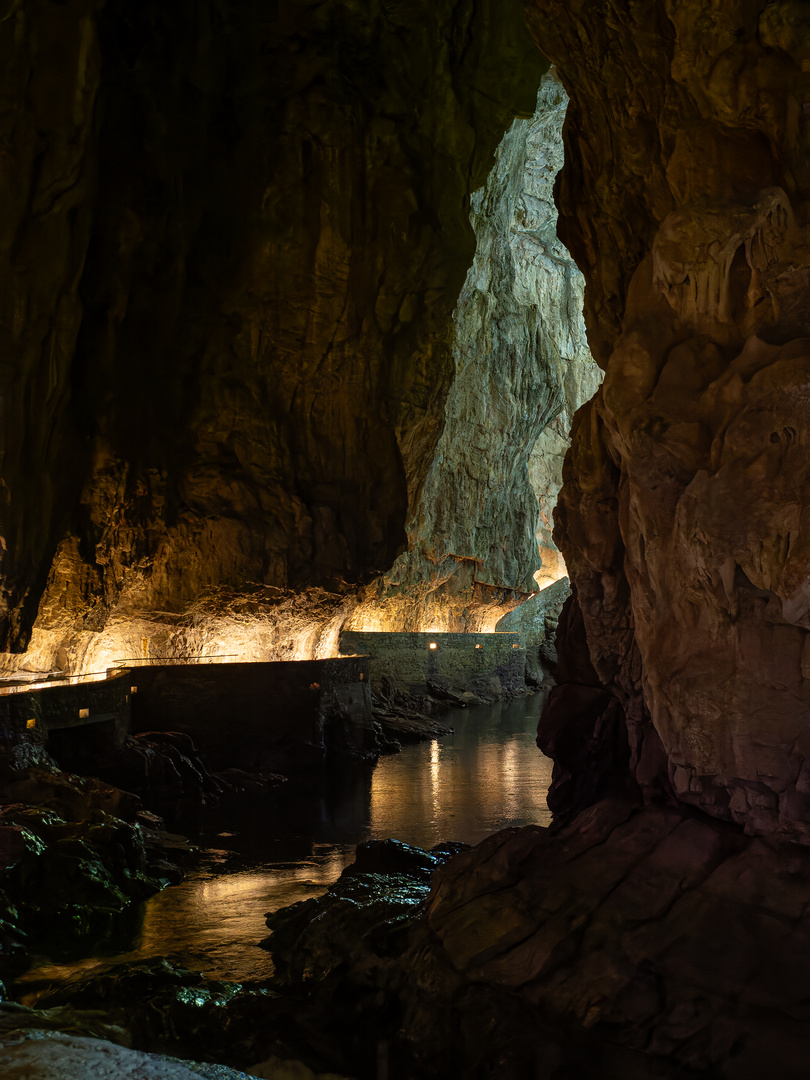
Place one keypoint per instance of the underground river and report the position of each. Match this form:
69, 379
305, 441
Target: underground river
486, 776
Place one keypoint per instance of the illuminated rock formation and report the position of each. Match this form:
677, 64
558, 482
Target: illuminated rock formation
682, 519
521, 369
250, 403
234, 238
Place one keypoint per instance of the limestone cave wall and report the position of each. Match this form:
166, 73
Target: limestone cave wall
234, 235
683, 518
479, 538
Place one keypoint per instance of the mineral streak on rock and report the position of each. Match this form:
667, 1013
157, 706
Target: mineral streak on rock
683, 515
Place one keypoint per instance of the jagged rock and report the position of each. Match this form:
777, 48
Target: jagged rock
653, 943
70, 883
403, 716
654, 929
365, 914
530, 618
71, 797
522, 368
681, 515
162, 1007
169, 773
233, 287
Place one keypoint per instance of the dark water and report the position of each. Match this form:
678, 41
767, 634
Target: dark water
488, 775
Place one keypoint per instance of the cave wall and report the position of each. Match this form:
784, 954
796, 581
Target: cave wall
683, 515
521, 368
234, 237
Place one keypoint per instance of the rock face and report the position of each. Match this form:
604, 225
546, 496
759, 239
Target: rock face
659, 931
71, 873
51, 1055
521, 369
682, 519
233, 240
653, 943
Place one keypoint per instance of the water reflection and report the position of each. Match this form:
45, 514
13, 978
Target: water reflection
486, 776
489, 774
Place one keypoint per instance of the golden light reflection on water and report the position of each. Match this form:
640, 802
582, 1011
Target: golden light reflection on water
486, 776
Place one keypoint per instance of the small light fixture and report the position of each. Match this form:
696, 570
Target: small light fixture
479, 646
515, 646
83, 714
432, 645
32, 723
133, 689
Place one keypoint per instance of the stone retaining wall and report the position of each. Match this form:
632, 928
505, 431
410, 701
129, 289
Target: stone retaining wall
66, 705
469, 661
277, 716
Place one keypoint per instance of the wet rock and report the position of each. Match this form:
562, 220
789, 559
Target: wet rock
165, 1008
74, 798
634, 942
443, 691
362, 918
405, 717
70, 883
15, 955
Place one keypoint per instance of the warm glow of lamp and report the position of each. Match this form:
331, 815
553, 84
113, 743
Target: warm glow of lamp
432, 645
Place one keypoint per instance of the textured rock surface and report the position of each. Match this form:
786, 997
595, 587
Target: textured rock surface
72, 874
50, 1055
649, 943
684, 200
200, 397
521, 369
66, 1043
656, 930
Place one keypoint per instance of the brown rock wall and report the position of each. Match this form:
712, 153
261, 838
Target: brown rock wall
684, 200
236, 238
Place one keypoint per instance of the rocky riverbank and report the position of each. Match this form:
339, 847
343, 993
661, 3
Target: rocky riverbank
646, 942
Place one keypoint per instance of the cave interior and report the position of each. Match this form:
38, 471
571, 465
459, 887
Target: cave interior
480, 324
